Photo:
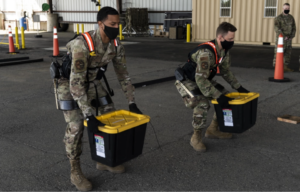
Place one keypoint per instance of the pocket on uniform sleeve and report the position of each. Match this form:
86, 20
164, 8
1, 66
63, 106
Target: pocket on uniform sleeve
63, 90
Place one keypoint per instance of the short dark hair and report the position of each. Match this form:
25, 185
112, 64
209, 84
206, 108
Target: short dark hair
286, 4
104, 12
224, 28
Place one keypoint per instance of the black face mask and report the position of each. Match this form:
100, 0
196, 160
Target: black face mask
286, 11
227, 44
111, 32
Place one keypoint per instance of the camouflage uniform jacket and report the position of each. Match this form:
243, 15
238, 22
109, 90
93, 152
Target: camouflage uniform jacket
206, 61
82, 63
285, 24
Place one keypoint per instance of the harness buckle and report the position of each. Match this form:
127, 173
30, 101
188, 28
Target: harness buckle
93, 54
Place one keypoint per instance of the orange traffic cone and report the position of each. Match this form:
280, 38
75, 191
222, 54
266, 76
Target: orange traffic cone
55, 43
279, 70
11, 41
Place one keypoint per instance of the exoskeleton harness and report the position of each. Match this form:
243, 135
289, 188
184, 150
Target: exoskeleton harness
58, 71
188, 70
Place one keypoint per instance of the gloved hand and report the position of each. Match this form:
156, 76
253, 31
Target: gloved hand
93, 123
223, 101
242, 90
133, 108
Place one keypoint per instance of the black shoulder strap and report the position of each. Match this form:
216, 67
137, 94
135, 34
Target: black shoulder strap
201, 47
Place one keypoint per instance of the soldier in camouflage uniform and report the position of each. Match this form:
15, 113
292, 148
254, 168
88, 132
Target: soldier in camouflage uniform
209, 89
285, 24
75, 88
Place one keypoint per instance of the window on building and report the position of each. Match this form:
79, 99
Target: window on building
225, 8
270, 8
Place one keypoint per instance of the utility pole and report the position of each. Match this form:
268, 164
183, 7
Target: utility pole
50, 5
119, 6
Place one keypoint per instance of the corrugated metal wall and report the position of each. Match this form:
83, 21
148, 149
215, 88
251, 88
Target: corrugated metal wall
154, 5
247, 16
18, 6
74, 5
111, 3
79, 17
87, 5
158, 5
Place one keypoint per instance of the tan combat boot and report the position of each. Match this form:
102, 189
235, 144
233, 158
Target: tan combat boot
196, 141
212, 132
117, 169
287, 69
77, 177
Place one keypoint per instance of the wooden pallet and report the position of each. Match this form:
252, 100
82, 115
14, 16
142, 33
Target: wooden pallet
289, 119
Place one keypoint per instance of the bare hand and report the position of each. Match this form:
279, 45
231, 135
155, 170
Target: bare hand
286, 38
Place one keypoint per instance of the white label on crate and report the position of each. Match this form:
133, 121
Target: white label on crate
228, 121
100, 150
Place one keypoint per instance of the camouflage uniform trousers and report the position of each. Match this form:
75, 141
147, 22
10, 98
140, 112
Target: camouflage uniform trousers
200, 104
287, 47
75, 118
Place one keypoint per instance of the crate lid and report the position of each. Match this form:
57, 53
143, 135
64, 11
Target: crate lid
239, 98
119, 121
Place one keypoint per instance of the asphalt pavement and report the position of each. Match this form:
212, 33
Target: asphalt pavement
265, 158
